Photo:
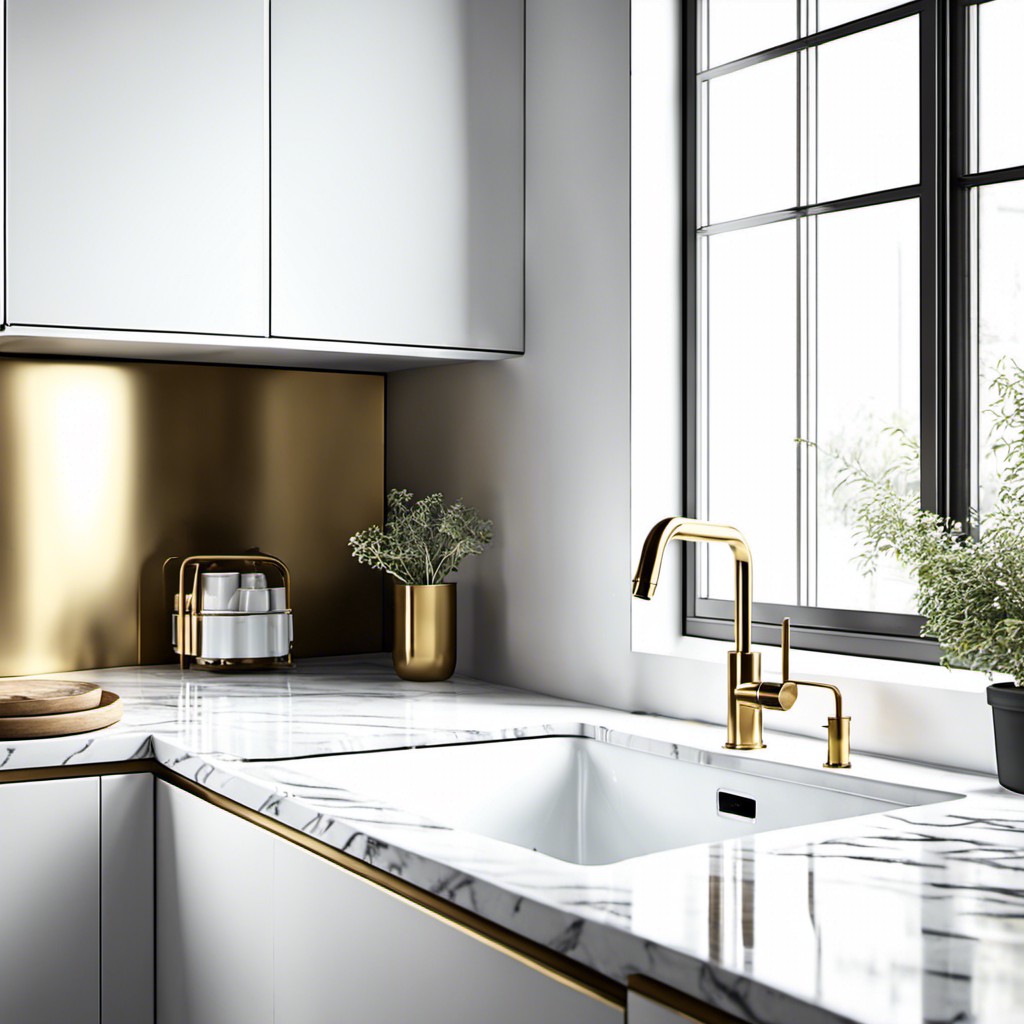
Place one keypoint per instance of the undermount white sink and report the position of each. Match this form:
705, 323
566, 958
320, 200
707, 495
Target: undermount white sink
590, 801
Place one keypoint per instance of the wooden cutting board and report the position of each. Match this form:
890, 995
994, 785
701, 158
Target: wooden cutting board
35, 726
20, 698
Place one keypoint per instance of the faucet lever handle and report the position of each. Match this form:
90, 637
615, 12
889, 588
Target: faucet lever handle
785, 649
838, 725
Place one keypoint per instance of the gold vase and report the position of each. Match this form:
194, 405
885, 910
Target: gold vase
424, 646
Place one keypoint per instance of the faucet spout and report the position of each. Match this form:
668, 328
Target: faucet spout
746, 694
648, 570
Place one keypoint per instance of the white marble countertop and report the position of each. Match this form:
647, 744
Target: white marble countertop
904, 917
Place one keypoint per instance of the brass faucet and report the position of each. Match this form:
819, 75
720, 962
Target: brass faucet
747, 693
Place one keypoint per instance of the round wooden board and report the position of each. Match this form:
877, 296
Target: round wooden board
20, 698
37, 726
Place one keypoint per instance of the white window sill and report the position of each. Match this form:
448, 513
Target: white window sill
900, 709
829, 668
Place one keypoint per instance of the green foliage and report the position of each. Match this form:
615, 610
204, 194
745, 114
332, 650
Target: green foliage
970, 577
422, 542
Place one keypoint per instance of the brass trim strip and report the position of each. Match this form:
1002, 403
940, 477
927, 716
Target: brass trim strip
692, 1010
553, 965
77, 771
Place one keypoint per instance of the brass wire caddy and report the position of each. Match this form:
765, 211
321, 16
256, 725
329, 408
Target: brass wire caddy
188, 616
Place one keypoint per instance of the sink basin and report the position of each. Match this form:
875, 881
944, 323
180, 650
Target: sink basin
592, 801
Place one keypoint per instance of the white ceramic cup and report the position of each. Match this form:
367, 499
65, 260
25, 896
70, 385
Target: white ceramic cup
220, 591
251, 599
221, 636
277, 599
278, 635
253, 581
254, 637
245, 636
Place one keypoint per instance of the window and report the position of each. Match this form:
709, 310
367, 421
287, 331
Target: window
855, 261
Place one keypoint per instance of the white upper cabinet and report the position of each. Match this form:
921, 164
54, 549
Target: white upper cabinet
137, 165
397, 171
305, 182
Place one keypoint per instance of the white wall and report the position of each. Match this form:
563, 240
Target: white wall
542, 445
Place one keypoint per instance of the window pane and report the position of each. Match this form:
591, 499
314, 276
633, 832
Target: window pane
836, 12
868, 111
1000, 315
750, 416
1000, 84
868, 374
752, 140
738, 28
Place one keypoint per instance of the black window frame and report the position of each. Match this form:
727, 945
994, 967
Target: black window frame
946, 427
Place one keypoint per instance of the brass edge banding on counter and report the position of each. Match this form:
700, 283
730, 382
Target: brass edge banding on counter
76, 771
694, 1011
532, 954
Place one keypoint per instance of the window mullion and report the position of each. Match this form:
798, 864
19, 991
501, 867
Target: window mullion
810, 17
703, 447
802, 137
936, 383
960, 264
807, 330
966, 70
969, 327
810, 334
810, 469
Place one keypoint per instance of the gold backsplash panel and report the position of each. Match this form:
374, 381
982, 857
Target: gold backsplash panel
108, 468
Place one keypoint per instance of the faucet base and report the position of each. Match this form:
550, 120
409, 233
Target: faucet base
743, 721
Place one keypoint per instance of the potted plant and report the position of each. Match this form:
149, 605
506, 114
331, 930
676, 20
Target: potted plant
969, 577
420, 545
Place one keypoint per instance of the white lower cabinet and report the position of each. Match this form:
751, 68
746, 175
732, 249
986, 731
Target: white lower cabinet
342, 942
127, 968
250, 929
214, 907
76, 920
49, 936
254, 929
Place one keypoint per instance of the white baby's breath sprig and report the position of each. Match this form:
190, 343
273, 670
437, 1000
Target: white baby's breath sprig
422, 542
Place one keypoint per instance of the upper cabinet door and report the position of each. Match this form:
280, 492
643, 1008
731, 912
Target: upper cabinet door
137, 165
397, 170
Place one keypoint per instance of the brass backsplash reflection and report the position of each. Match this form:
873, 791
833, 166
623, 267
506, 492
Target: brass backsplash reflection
108, 468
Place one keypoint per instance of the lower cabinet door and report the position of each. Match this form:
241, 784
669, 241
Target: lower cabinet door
126, 899
214, 937
252, 929
50, 916
345, 949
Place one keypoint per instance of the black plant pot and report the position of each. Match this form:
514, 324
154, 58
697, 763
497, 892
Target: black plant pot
1007, 702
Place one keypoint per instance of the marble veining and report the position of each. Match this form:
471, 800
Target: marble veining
909, 916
